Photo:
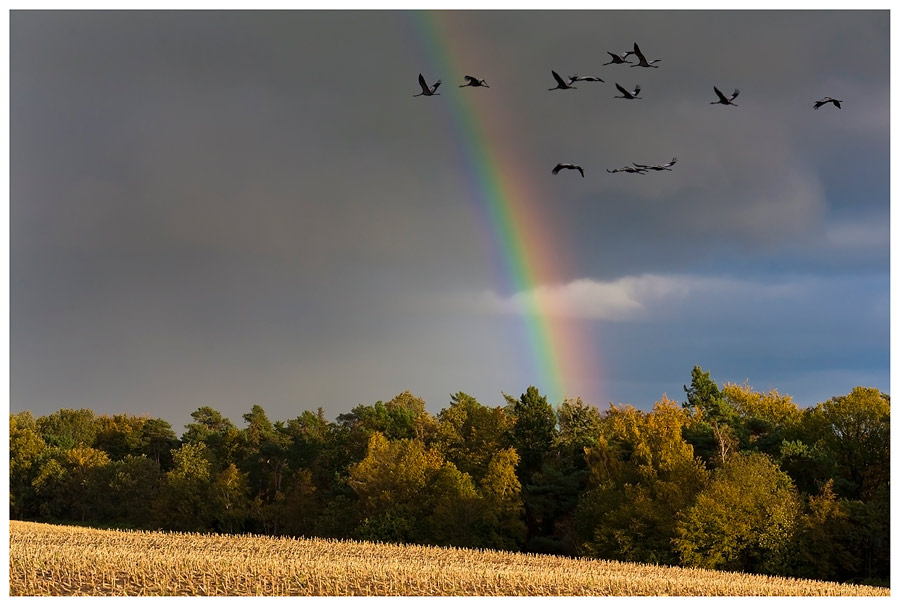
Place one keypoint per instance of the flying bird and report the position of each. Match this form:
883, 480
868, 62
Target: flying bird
562, 165
628, 95
666, 166
628, 169
473, 81
642, 61
427, 90
725, 100
560, 83
827, 100
618, 59
585, 79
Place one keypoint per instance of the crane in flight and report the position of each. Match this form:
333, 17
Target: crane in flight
573, 79
473, 81
628, 169
560, 83
628, 95
642, 61
725, 100
666, 166
618, 59
427, 90
563, 165
826, 101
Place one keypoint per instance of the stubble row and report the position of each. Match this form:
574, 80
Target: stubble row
49, 560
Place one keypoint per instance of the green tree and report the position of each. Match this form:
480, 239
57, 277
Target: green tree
712, 430
133, 487
229, 500
553, 492
580, 426
765, 419
157, 440
470, 434
50, 487
453, 508
403, 417
265, 453
855, 429
533, 430
119, 435
532, 434
73, 483
26, 449
67, 428
870, 538
217, 433
309, 436
820, 546
744, 519
183, 502
301, 504
503, 513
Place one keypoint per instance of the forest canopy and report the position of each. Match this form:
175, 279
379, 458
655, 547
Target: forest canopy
729, 479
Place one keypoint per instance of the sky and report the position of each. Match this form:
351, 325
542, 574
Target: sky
235, 208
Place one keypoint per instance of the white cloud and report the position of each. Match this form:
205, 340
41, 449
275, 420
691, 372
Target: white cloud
628, 298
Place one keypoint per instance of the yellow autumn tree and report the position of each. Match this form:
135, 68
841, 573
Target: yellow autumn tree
642, 473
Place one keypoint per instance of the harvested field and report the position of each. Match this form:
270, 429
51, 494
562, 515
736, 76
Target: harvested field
48, 560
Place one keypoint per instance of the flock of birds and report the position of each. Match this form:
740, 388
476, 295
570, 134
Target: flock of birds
615, 59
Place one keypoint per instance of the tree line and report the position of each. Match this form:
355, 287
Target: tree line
729, 479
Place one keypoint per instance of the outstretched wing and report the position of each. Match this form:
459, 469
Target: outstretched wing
471, 79
719, 94
674, 160
423, 84
637, 89
556, 168
837, 103
436, 85
581, 170
640, 55
641, 165
622, 90
735, 94
558, 79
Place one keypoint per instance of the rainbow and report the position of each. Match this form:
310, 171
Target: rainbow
513, 205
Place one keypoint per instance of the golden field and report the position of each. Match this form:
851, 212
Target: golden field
48, 560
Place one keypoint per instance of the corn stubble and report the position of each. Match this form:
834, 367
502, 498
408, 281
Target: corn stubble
48, 560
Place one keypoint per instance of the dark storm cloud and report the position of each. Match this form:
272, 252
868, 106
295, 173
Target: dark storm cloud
228, 208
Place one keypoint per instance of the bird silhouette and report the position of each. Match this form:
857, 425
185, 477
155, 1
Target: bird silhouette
473, 81
642, 61
628, 95
725, 100
563, 165
666, 166
619, 59
573, 79
628, 169
827, 100
560, 83
427, 90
